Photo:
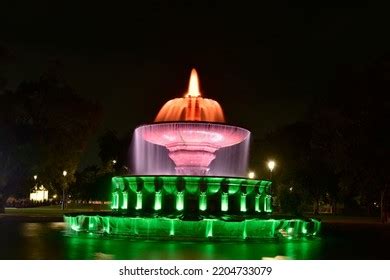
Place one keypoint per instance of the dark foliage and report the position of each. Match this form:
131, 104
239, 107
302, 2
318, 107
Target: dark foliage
45, 127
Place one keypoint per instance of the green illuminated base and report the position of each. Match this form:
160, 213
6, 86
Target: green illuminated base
195, 195
191, 208
163, 228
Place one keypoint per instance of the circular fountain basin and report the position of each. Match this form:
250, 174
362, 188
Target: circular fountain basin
191, 208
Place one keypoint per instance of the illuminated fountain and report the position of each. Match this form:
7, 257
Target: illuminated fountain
184, 187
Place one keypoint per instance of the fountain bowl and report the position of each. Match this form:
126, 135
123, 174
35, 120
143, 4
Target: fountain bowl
192, 145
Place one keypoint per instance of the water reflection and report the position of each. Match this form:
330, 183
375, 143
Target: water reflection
82, 247
48, 241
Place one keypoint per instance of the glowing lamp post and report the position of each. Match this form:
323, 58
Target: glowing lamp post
35, 180
271, 165
251, 175
113, 162
64, 173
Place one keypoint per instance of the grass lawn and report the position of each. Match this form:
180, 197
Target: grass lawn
52, 210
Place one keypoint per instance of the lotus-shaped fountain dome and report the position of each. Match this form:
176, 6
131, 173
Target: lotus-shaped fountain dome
192, 130
191, 107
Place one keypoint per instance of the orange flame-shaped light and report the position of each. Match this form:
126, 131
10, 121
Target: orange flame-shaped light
193, 88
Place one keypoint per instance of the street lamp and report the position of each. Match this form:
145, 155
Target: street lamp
113, 161
35, 180
251, 175
271, 165
64, 173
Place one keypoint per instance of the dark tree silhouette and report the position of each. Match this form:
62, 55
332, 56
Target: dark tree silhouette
301, 177
45, 127
340, 151
112, 147
351, 132
5, 58
109, 146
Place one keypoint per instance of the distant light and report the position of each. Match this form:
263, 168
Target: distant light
64, 173
251, 175
55, 196
114, 161
35, 177
271, 165
291, 189
39, 194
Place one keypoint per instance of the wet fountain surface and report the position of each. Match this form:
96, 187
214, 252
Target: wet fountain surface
48, 241
192, 146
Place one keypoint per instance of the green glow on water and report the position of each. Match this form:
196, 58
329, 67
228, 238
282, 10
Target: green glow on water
317, 226
75, 227
139, 201
157, 201
243, 203
91, 224
257, 203
125, 200
209, 228
224, 202
304, 230
202, 201
244, 234
179, 201
166, 228
172, 229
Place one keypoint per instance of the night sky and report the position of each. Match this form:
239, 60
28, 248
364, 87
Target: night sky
263, 63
